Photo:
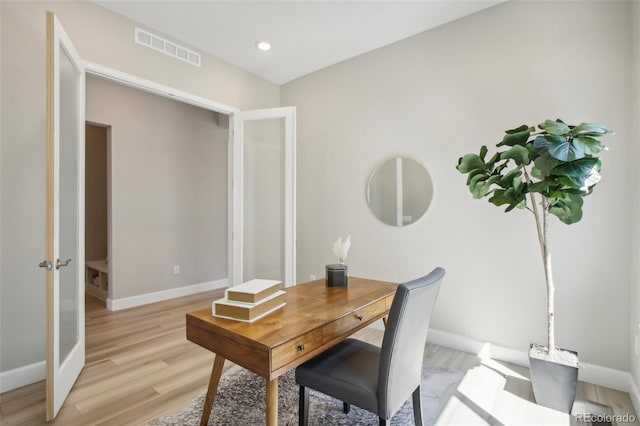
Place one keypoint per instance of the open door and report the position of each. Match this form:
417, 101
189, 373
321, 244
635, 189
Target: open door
263, 204
65, 216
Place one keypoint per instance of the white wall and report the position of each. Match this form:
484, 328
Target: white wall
101, 37
441, 94
635, 227
169, 189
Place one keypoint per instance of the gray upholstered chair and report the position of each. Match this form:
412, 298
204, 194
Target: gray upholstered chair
377, 379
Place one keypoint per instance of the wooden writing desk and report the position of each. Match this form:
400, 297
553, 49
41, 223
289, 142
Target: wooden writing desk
315, 318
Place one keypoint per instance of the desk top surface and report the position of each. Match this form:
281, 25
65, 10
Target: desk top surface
309, 306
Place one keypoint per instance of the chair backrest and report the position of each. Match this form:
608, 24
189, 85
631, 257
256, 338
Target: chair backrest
404, 341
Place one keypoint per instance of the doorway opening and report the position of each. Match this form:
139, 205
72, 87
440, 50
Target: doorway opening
97, 210
164, 164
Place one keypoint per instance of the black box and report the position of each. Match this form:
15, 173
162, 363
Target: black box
337, 275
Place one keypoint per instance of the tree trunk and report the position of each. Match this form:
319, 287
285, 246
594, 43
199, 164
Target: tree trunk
551, 333
541, 227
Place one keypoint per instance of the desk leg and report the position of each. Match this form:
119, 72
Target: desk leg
216, 372
272, 402
384, 320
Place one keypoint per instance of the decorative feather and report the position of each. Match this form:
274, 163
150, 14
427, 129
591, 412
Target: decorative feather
340, 248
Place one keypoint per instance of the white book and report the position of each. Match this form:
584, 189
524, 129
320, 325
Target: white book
248, 312
253, 291
254, 318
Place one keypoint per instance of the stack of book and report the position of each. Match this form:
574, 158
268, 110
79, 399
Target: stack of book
250, 301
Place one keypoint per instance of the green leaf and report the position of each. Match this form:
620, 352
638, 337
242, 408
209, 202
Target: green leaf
470, 162
590, 129
478, 185
501, 167
499, 197
582, 168
568, 209
502, 196
494, 179
581, 183
541, 187
533, 152
476, 176
483, 152
557, 195
541, 143
476, 172
515, 139
508, 196
545, 163
517, 153
589, 145
564, 150
520, 205
493, 160
479, 190
520, 129
569, 182
537, 173
555, 127
509, 179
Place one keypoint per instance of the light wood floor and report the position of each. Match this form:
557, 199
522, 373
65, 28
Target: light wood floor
139, 366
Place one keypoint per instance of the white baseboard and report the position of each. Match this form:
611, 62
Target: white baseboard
605, 376
22, 376
158, 296
591, 373
482, 349
634, 393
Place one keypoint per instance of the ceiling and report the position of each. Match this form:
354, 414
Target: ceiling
306, 35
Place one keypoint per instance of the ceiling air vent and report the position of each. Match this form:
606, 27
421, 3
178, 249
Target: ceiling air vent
167, 47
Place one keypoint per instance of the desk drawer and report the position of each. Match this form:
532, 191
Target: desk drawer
289, 351
352, 320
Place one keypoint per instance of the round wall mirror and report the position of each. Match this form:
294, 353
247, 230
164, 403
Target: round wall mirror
399, 191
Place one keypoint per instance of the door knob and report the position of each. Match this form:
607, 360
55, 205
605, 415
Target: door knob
61, 263
46, 264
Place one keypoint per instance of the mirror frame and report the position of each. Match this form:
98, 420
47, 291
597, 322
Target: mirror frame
429, 190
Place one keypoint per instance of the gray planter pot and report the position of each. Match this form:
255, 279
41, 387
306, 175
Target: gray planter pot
554, 383
337, 275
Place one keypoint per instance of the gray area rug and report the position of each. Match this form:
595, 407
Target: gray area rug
241, 402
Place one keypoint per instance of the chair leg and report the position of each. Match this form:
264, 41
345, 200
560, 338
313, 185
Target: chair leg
303, 406
346, 407
417, 407
384, 422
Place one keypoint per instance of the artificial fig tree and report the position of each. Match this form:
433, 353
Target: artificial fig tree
545, 171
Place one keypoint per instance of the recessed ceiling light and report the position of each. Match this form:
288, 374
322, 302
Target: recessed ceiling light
263, 45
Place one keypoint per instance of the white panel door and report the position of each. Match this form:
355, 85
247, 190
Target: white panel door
65, 216
263, 204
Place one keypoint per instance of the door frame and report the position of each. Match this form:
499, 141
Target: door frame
138, 83
143, 84
236, 204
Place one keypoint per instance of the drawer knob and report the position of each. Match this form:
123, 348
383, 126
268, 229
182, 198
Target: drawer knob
360, 317
301, 348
